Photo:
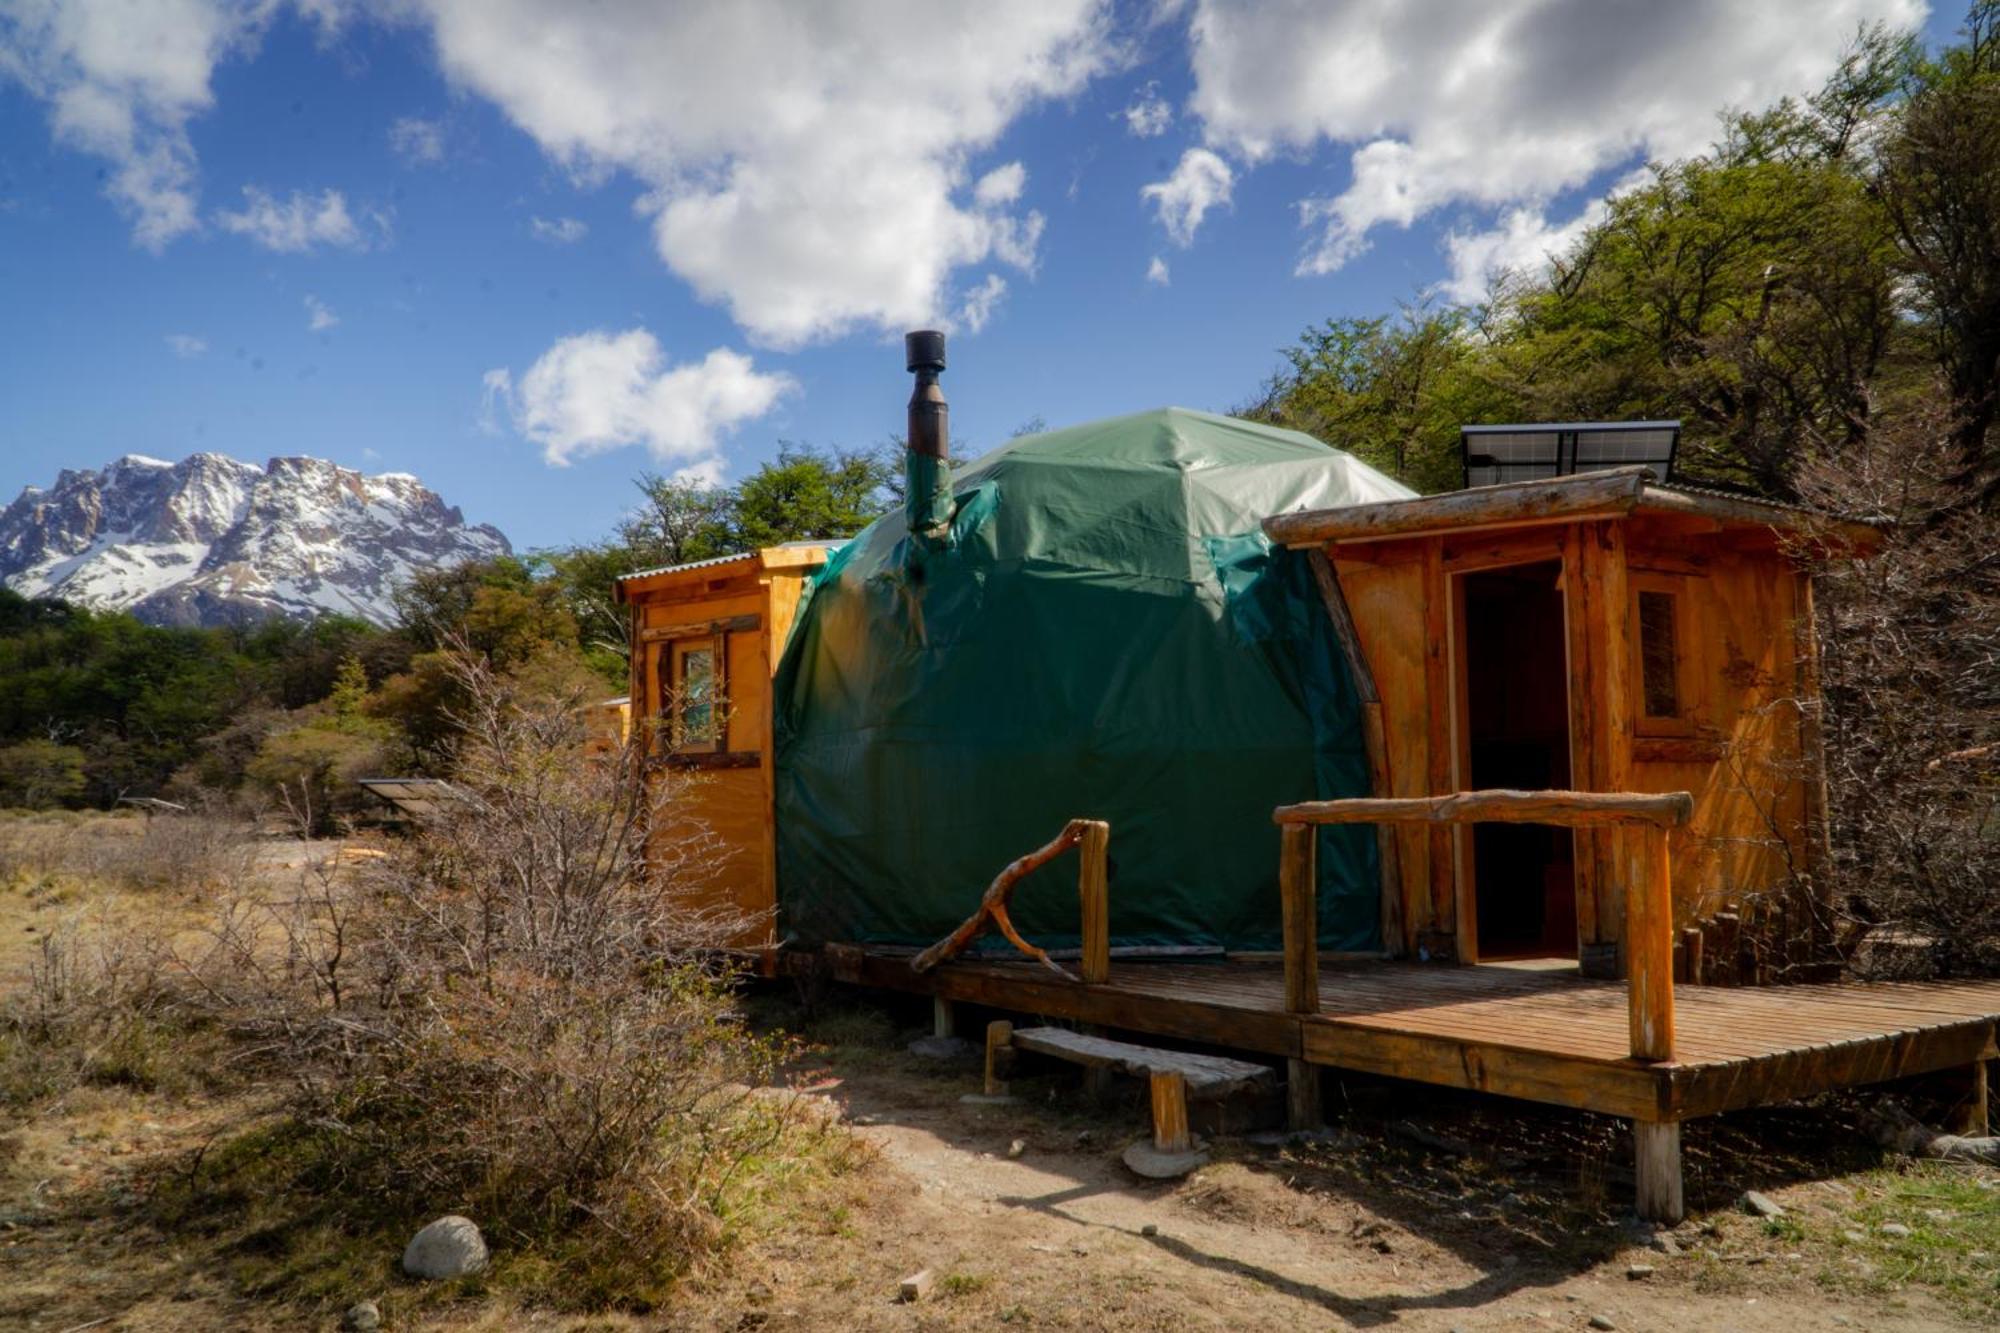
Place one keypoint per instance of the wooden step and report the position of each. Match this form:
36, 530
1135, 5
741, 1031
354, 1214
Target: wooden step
1208, 1077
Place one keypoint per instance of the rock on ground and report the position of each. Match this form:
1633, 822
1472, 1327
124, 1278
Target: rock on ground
448, 1247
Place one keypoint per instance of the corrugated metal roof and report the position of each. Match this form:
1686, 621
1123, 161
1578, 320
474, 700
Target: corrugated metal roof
715, 560
1746, 497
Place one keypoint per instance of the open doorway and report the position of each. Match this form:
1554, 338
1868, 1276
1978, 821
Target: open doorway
1516, 734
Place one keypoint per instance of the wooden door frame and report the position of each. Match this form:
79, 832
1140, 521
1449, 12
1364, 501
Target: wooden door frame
1465, 880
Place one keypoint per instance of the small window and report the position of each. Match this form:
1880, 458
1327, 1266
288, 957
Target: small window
1659, 655
691, 694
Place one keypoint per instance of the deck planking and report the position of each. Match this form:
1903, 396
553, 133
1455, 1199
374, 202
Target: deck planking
1533, 1031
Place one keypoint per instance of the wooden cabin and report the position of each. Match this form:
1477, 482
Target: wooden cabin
706, 638
1597, 632
1589, 710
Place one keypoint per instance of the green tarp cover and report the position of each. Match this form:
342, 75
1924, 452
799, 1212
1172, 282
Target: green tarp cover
1103, 633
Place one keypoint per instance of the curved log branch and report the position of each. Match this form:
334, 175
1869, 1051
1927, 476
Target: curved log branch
993, 907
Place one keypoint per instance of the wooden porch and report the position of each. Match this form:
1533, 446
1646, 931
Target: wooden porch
1540, 1031
1536, 1031
1639, 1047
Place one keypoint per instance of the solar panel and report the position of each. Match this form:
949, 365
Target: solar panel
415, 797
1528, 452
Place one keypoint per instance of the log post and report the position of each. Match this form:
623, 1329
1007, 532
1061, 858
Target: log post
1298, 893
1657, 1148
944, 1017
1969, 1118
1170, 1117
1691, 944
1649, 945
1093, 887
1302, 1108
999, 1036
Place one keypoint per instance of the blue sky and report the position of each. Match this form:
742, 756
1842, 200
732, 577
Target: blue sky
527, 251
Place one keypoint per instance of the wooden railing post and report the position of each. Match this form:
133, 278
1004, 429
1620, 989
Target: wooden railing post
1299, 903
1649, 945
1093, 887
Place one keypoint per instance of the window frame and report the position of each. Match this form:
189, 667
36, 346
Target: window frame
671, 672
1682, 721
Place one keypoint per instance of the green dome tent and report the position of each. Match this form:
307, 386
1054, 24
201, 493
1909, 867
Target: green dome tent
1104, 633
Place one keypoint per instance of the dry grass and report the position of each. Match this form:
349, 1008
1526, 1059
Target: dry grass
514, 1015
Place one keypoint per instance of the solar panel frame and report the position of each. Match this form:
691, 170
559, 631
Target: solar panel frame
1530, 451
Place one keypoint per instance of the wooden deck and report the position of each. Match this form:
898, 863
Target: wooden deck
1538, 1032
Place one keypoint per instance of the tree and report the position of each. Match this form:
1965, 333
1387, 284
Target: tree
37, 774
678, 521
1940, 183
1393, 392
808, 492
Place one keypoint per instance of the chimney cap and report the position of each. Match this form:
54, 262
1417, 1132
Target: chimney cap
924, 349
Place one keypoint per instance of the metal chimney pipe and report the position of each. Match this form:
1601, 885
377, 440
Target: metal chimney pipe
930, 418
927, 464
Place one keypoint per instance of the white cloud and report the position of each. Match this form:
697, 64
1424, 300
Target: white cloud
1493, 103
1000, 186
599, 391
806, 165
294, 225
122, 81
318, 317
1202, 181
558, 231
1158, 273
979, 304
1524, 242
1148, 116
416, 141
187, 345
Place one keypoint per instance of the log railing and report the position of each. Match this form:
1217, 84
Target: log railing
1092, 839
1649, 904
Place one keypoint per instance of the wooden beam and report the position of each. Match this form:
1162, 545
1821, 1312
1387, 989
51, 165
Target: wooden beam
1374, 744
1593, 494
1093, 888
999, 1035
1703, 1090
1388, 847
1627, 1089
1302, 1108
1170, 1117
1563, 809
695, 629
1196, 1019
1205, 1077
1343, 626
1970, 1116
1657, 1149
1840, 533
1440, 746
1649, 946
1298, 894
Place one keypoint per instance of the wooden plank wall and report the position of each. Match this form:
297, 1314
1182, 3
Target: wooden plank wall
1744, 758
728, 799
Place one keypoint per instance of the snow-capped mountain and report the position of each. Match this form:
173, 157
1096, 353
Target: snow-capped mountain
210, 540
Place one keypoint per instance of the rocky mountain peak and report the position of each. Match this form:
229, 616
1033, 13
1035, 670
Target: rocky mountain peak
214, 540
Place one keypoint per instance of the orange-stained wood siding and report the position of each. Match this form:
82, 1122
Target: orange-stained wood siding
1742, 751
726, 799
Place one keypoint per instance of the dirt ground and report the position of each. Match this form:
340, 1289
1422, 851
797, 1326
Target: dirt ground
1417, 1210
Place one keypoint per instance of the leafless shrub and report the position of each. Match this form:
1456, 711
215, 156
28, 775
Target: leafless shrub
520, 1013
175, 852
95, 1008
1910, 674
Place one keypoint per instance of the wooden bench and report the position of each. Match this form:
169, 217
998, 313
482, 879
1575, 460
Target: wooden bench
1173, 1078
